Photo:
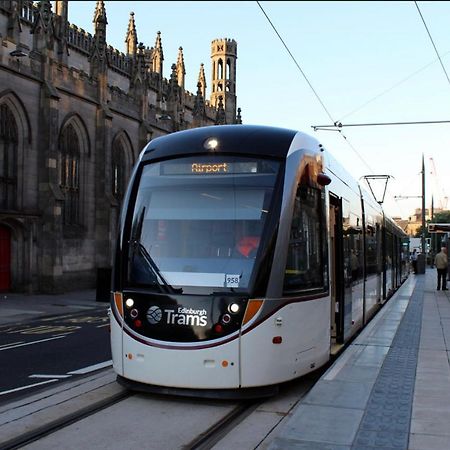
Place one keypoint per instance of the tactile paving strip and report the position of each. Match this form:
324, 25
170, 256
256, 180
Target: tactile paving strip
387, 417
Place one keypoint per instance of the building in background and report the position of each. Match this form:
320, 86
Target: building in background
74, 116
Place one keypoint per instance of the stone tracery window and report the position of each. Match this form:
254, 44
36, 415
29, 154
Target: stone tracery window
8, 158
221, 69
69, 174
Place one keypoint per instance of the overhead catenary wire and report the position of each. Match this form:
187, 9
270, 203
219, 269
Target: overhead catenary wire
432, 41
403, 80
295, 62
339, 125
310, 84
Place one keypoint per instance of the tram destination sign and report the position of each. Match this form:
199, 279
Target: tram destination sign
439, 228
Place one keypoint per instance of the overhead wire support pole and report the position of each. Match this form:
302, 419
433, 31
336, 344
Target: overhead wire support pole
424, 250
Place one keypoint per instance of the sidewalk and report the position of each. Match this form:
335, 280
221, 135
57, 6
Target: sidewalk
15, 308
390, 389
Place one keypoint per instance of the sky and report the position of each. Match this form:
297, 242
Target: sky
304, 64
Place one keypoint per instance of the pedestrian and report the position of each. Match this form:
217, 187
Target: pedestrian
441, 263
414, 260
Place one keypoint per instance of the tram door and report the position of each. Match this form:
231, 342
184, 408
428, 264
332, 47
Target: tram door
336, 270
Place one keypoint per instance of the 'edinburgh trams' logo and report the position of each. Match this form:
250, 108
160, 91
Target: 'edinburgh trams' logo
154, 315
178, 316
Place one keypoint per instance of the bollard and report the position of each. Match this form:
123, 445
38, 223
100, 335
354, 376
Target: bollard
103, 291
420, 263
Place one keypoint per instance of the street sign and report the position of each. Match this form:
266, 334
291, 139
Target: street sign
439, 227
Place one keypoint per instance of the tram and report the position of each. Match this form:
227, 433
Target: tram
246, 255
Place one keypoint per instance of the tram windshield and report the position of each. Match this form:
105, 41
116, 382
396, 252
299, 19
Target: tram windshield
198, 222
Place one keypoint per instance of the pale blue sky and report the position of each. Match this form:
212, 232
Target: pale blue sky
368, 61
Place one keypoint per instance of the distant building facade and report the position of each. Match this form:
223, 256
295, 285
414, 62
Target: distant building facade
74, 116
413, 224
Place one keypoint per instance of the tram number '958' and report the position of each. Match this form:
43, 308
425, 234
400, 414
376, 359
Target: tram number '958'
232, 281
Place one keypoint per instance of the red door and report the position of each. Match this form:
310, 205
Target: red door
5, 258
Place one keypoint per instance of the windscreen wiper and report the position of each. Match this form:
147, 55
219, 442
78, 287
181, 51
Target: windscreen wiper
155, 269
163, 285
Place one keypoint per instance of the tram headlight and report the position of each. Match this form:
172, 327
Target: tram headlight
129, 302
233, 308
211, 143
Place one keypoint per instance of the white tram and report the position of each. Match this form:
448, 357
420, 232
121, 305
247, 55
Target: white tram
246, 254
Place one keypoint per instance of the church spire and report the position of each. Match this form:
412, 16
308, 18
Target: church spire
220, 115
61, 28
158, 56
239, 117
202, 80
131, 39
181, 69
14, 27
98, 55
100, 14
42, 27
199, 112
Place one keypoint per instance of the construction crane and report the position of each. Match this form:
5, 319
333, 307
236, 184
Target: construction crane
439, 191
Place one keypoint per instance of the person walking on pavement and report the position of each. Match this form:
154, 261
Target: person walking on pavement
441, 263
414, 260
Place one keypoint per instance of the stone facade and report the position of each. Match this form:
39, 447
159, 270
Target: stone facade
74, 116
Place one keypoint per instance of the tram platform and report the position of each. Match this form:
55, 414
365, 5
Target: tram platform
390, 389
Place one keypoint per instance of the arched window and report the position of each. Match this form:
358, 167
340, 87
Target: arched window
8, 158
119, 168
69, 174
228, 74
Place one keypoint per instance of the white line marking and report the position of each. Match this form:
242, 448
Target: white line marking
27, 387
339, 364
105, 325
48, 376
32, 342
49, 319
11, 343
91, 368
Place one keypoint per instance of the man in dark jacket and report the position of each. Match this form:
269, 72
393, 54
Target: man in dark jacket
441, 263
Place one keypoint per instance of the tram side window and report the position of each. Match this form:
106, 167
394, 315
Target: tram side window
371, 250
305, 267
389, 250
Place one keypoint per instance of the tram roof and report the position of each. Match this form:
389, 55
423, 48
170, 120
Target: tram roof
251, 139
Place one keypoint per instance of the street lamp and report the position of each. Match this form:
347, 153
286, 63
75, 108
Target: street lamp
17, 53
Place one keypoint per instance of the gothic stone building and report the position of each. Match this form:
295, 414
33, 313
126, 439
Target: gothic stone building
74, 116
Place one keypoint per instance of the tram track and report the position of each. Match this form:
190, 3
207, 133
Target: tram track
58, 424
200, 424
216, 432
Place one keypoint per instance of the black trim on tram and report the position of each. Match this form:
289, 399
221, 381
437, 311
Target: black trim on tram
257, 140
226, 394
